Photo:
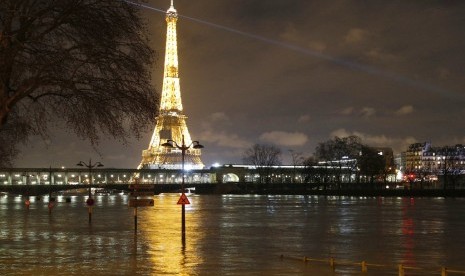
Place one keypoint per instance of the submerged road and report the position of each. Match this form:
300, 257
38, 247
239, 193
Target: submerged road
243, 188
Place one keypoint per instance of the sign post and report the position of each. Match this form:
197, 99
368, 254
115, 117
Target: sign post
90, 203
90, 200
183, 200
183, 147
140, 190
27, 202
135, 216
51, 204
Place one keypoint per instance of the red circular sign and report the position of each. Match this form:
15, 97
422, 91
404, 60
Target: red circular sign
90, 201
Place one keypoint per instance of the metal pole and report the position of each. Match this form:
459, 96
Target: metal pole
28, 202
50, 204
183, 207
401, 270
89, 201
90, 195
90, 176
50, 182
135, 218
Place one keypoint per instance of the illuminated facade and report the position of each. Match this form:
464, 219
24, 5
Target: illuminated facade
171, 121
423, 158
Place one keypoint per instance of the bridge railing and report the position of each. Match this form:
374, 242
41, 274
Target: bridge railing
59, 176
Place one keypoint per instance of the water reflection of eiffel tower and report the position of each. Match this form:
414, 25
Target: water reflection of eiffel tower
171, 122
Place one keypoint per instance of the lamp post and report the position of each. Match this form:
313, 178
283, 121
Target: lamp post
172, 144
51, 200
90, 166
28, 202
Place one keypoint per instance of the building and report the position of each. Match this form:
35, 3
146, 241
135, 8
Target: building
414, 156
425, 162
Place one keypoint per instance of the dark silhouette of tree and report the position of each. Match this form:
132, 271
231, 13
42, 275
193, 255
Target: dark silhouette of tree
371, 163
314, 173
297, 160
7, 152
84, 63
450, 165
338, 153
263, 158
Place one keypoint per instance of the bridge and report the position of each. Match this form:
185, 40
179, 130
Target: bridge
37, 181
224, 179
37, 190
75, 176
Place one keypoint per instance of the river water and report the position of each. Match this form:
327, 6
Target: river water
232, 235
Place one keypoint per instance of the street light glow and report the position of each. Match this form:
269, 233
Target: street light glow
183, 148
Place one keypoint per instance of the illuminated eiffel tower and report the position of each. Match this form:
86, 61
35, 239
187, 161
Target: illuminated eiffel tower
171, 122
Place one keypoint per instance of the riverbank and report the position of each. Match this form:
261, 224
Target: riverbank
247, 188
303, 189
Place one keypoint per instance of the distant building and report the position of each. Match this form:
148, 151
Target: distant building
414, 156
422, 159
399, 160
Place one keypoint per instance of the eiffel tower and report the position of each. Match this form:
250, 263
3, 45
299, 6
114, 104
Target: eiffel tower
171, 121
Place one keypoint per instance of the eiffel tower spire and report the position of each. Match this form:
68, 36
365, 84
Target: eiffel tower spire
171, 121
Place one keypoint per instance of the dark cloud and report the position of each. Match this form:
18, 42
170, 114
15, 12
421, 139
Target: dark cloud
388, 71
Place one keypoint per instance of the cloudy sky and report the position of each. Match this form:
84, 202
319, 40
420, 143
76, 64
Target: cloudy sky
298, 72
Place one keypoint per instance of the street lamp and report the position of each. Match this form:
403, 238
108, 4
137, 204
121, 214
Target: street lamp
90, 166
172, 144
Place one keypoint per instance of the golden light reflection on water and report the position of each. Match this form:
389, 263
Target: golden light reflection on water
230, 235
161, 227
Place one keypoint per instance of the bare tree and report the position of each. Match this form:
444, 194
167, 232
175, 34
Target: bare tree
338, 152
297, 160
85, 63
313, 173
450, 165
263, 157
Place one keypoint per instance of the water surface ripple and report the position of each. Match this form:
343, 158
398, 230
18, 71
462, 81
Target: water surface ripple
231, 235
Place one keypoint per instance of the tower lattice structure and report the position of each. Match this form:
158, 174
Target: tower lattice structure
171, 121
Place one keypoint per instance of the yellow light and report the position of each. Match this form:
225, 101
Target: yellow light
166, 212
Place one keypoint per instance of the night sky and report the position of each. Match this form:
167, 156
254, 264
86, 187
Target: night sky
298, 72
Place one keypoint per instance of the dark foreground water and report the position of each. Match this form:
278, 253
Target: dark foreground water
232, 235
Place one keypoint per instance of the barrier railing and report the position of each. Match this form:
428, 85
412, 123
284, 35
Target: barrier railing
401, 268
